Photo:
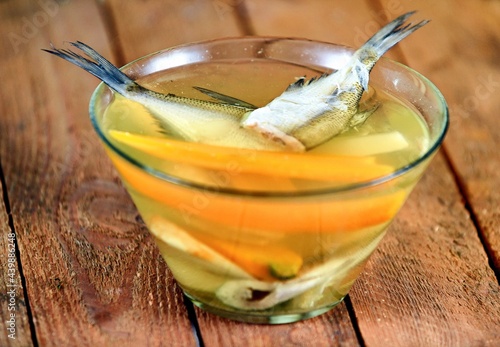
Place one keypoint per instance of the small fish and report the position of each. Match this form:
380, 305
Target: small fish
306, 114
309, 113
185, 117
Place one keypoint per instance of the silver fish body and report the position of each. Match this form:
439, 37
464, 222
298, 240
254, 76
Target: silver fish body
201, 121
310, 112
185, 117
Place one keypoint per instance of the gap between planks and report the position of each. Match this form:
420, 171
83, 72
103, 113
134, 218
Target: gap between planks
109, 20
10, 222
473, 217
243, 19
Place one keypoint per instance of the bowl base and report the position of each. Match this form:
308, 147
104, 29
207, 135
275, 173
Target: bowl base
262, 317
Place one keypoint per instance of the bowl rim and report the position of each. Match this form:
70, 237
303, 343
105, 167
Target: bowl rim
340, 188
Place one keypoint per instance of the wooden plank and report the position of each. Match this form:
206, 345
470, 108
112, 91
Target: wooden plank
430, 283
145, 27
467, 48
15, 330
93, 274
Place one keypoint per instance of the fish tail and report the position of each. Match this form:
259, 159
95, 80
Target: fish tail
98, 66
392, 33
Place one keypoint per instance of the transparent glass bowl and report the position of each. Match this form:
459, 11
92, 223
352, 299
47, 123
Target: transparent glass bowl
265, 253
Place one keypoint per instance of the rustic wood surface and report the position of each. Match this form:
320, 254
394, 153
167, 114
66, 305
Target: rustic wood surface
87, 270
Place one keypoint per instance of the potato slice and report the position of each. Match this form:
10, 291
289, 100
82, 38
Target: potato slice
368, 145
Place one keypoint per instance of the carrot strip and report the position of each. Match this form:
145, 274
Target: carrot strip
264, 262
317, 214
281, 164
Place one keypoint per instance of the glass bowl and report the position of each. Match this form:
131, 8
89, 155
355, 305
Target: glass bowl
257, 236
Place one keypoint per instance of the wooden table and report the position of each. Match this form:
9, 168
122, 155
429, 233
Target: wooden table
84, 271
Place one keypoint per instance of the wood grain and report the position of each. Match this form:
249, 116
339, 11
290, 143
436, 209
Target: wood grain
93, 275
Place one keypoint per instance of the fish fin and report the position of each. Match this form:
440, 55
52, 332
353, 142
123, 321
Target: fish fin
360, 117
302, 81
391, 34
226, 99
97, 65
297, 84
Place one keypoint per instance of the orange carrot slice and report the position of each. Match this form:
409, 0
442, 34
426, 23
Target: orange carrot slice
317, 214
281, 164
264, 262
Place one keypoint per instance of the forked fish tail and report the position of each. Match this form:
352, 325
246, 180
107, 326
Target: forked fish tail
99, 66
